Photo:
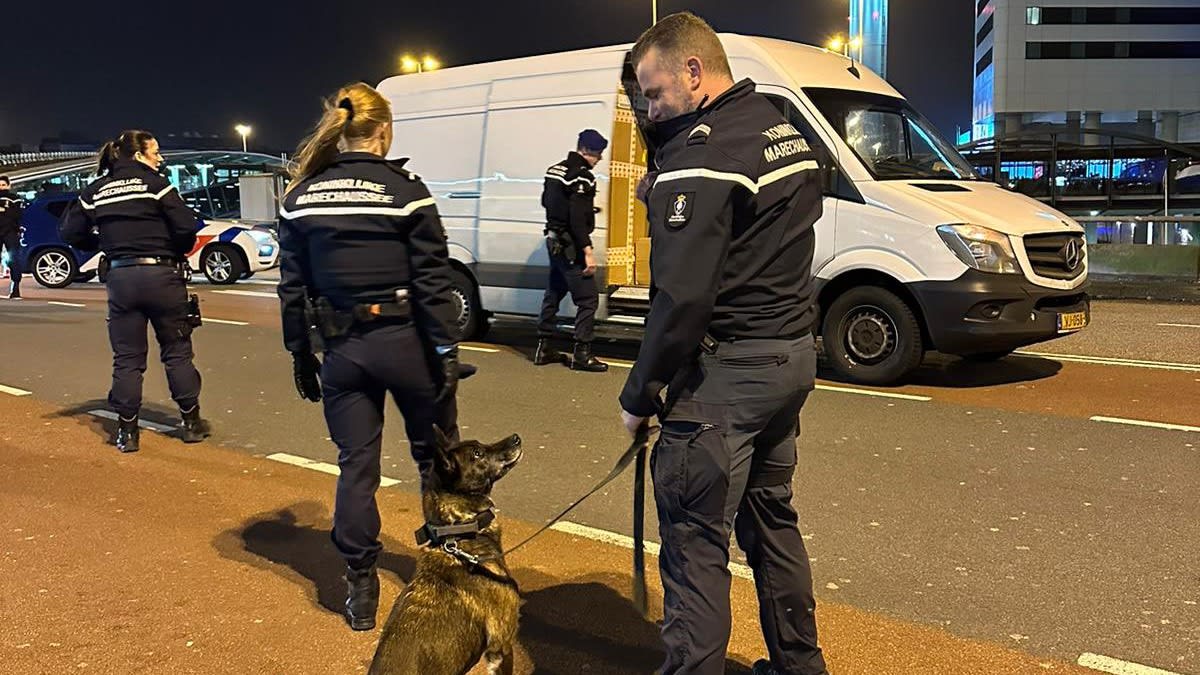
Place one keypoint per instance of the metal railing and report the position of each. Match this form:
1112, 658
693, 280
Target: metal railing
16, 159
1150, 230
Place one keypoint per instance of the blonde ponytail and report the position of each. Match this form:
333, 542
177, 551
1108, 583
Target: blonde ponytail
354, 113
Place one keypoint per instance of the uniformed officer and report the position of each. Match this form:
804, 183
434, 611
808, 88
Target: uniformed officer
137, 218
364, 260
568, 194
729, 335
10, 235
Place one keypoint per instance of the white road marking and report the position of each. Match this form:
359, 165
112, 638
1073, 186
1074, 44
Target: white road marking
1144, 423
149, 426
1106, 361
869, 392
1107, 664
323, 467
485, 350
64, 304
250, 294
14, 391
605, 537
227, 322
1179, 325
260, 282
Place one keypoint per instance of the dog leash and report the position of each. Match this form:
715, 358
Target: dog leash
636, 452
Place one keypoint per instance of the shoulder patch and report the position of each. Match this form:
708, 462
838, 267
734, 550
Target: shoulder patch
699, 134
679, 210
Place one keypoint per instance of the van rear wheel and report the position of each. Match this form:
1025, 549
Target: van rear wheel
871, 336
468, 312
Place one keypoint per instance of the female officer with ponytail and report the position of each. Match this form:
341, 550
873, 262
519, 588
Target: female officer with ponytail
364, 264
137, 218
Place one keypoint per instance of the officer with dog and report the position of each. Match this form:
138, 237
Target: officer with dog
138, 220
365, 278
568, 195
728, 335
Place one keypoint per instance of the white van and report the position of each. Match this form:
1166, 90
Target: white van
914, 251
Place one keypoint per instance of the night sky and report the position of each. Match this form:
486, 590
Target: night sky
172, 67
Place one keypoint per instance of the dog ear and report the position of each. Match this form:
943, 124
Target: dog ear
439, 436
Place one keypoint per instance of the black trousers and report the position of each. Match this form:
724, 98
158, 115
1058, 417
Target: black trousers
158, 295
11, 241
567, 277
357, 373
724, 463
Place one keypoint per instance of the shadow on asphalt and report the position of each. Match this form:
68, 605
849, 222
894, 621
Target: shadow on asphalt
583, 625
104, 428
294, 543
937, 370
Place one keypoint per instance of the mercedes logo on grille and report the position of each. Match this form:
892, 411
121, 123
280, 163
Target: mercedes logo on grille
1072, 254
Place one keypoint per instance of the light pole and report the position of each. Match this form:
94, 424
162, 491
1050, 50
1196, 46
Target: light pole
409, 64
243, 131
653, 12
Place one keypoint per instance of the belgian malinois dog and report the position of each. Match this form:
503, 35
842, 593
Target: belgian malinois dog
462, 603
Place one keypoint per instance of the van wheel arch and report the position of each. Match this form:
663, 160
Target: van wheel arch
881, 304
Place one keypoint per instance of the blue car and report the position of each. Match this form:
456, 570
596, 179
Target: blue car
51, 262
225, 251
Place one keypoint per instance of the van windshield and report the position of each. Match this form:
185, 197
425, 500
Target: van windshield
892, 139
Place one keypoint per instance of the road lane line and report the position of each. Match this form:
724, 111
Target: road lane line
612, 538
227, 322
1179, 325
323, 467
149, 426
869, 392
485, 350
1107, 664
14, 391
64, 304
1107, 361
1144, 423
250, 294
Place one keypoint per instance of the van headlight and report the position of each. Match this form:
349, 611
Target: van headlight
981, 248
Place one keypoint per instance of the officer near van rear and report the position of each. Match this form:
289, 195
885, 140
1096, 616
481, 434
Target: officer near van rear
728, 336
568, 195
145, 230
10, 235
365, 279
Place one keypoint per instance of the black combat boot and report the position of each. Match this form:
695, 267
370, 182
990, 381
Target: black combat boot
14, 291
546, 353
195, 429
362, 600
583, 359
127, 434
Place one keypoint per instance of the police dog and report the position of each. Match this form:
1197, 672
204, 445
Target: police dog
462, 602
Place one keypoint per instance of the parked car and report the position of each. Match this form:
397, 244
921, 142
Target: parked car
225, 251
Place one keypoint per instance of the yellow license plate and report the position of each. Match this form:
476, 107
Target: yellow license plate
1071, 322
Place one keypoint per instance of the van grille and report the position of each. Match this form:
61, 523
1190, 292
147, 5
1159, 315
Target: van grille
1056, 256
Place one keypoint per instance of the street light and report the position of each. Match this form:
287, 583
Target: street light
409, 64
244, 131
836, 44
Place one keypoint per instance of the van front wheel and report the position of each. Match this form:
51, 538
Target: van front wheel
872, 337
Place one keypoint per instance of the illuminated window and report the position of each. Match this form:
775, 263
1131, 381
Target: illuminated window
1033, 16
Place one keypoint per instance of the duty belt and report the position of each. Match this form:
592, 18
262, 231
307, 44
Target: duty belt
159, 261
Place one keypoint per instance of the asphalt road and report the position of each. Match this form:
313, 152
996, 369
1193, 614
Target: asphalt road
1003, 502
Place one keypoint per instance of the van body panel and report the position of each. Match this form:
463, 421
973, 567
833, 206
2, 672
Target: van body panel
483, 135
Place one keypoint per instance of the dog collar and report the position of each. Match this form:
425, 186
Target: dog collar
437, 535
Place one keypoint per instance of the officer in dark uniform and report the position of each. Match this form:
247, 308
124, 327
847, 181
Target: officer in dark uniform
137, 218
731, 213
568, 195
364, 264
10, 235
